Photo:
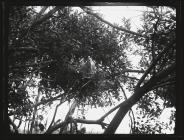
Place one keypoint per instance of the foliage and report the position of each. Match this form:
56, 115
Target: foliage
56, 41
160, 25
48, 57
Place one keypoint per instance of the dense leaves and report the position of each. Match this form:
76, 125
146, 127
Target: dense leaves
49, 57
160, 25
57, 47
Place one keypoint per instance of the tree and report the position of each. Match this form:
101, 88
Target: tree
46, 51
159, 70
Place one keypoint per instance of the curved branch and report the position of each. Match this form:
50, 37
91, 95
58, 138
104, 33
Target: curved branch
88, 11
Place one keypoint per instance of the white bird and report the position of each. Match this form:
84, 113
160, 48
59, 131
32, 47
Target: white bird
87, 68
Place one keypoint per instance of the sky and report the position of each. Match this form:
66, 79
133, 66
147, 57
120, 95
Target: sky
112, 14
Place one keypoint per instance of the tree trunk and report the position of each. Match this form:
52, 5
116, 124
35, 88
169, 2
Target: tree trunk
124, 108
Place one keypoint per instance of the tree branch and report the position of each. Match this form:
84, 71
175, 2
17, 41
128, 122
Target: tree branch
55, 127
63, 124
139, 92
14, 126
45, 17
109, 112
34, 112
54, 114
138, 71
151, 67
49, 100
100, 122
68, 115
130, 108
124, 106
87, 121
88, 11
41, 12
20, 122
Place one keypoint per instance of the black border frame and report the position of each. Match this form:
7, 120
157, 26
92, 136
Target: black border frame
179, 104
